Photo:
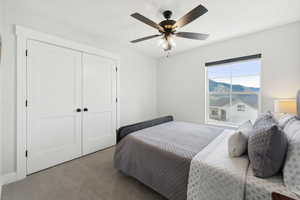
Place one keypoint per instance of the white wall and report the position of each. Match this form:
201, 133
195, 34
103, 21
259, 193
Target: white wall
181, 78
137, 74
1, 33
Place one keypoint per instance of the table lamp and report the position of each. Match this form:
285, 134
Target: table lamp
285, 106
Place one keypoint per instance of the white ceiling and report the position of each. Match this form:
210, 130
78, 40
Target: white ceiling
111, 18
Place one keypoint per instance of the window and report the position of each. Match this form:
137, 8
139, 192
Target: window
233, 90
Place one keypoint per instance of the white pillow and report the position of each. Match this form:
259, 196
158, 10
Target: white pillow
291, 128
291, 169
238, 142
284, 120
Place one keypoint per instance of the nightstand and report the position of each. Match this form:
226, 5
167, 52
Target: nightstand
277, 196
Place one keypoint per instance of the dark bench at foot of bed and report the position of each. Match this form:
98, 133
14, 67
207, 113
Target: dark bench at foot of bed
125, 130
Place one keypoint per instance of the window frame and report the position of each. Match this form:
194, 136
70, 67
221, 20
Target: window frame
207, 93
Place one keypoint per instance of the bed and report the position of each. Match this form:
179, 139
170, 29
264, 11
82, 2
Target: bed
160, 156
190, 161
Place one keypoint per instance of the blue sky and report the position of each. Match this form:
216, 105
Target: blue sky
243, 73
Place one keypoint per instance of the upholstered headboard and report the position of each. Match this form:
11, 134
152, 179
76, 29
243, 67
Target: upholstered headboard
298, 103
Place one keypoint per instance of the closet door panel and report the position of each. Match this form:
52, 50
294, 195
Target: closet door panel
99, 97
54, 92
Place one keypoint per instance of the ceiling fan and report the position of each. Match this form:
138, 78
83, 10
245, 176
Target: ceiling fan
168, 27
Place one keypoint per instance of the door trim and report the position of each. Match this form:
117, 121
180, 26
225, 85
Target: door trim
22, 35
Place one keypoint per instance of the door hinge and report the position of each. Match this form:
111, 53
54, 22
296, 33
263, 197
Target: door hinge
116, 100
26, 52
26, 103
26, 153
116, 69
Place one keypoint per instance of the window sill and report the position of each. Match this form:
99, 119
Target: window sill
220, 124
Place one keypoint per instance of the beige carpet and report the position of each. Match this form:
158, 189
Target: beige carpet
89, 178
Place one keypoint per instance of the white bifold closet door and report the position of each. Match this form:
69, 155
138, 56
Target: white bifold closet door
71, 104
99, 100
54, 93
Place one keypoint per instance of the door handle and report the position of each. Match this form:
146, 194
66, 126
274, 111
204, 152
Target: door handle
85, 109
78, 110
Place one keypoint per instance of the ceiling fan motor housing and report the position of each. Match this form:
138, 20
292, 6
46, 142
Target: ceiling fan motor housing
168, 23
167, 14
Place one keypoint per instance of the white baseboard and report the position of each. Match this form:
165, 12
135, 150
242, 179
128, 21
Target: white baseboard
9, 178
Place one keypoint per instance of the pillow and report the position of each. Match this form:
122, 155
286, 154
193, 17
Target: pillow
264, 120
238, 142
284, 119
291, 128
267, 149
291, 170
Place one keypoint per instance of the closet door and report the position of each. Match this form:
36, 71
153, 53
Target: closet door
99, 100
54, 94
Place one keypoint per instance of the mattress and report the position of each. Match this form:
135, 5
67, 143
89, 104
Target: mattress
160, 156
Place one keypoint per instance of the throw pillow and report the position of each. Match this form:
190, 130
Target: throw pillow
238, 142
284, 119
264, 120
267, 149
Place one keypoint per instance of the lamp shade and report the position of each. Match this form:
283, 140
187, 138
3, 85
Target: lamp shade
285, 106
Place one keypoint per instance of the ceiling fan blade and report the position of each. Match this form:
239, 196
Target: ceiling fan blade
145, 38
191, 16
194, 36
147, 21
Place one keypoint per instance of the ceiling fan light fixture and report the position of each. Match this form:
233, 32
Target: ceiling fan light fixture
167, 43
171, 41
161, 41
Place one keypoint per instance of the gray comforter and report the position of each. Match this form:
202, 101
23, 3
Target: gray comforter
160, 156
